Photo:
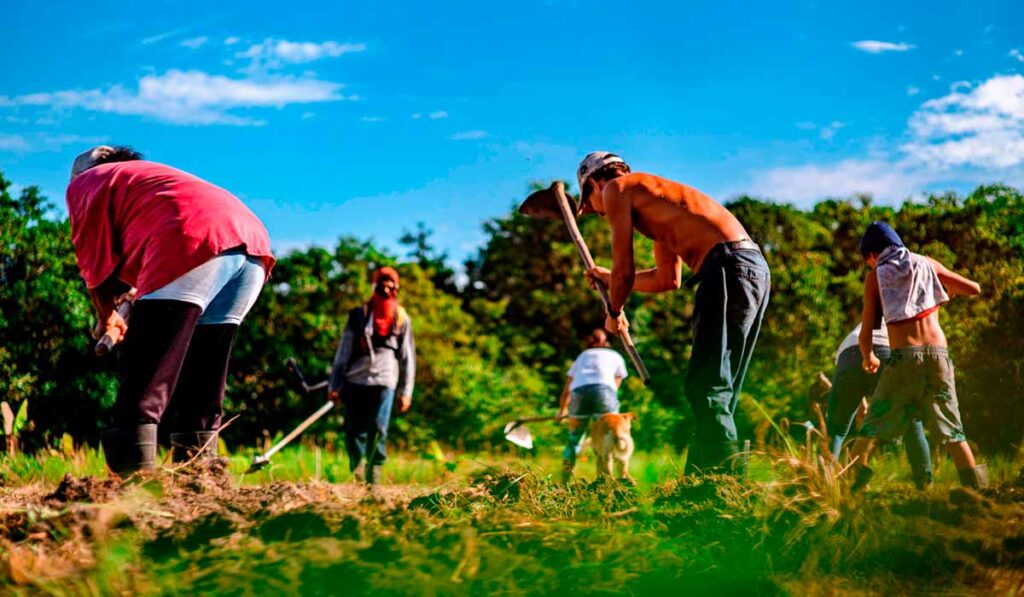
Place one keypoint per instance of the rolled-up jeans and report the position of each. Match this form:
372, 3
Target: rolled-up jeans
367, 416
850, 385
586, 402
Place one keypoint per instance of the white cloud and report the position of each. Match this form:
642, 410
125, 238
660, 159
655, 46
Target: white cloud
826, 132
13, 143
912, 91
468, 135
809, 183
192, 97
980, 127
1016, 54
195, 42
437, 115
45, 142
231, 40
152, 39
416, 116
976, 132
872, 46
274, 53
372, 119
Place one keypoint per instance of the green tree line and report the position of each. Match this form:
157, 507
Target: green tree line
497, 345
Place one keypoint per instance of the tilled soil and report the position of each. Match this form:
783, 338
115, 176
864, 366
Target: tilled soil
50, 533
505, 531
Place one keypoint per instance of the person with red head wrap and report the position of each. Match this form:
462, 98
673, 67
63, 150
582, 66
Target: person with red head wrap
376, 358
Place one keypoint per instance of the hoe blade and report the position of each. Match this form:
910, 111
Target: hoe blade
519, 434
542, 204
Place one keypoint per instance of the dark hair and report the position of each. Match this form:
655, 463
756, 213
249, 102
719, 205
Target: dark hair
606, 172
597, 338
121, 153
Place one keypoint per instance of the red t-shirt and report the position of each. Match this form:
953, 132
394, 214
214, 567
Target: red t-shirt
149, 224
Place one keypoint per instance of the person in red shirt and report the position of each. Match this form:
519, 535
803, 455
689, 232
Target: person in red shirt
193, 259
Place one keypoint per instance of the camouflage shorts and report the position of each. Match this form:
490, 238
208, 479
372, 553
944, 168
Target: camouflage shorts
917, 383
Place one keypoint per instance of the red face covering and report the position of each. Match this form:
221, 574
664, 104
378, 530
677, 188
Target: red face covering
384, 309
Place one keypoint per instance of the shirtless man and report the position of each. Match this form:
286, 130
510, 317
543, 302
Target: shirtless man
908, 289
687, 227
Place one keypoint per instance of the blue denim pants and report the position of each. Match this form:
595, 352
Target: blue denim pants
849, 385
586, 402
367, 415
728, 311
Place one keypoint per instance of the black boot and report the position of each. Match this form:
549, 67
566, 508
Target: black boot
923, 480
719, 458
359, 472
374, 475
695, 463
861, 477
194, 445
975, 478
130, 450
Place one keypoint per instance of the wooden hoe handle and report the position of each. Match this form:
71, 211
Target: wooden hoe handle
588, 263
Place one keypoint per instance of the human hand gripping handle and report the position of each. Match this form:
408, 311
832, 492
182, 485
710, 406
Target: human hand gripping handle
116, 325
622, 327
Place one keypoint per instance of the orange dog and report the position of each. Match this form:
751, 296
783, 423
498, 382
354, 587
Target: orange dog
613, 444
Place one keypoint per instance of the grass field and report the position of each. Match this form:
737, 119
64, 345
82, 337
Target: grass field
500, 524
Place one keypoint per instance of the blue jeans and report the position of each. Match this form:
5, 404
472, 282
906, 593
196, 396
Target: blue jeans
367, 415
587, 401
727, 315
851, 384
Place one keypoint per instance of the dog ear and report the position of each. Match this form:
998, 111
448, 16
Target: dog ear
629, 416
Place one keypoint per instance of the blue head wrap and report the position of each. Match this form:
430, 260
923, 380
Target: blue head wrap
878, 237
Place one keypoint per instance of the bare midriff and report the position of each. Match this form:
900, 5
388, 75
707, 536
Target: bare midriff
917, 332
680, 217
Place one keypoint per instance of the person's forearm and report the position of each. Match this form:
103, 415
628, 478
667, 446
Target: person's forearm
103, 299
653, 280
407, 364
563, 400
620, 288
865, 341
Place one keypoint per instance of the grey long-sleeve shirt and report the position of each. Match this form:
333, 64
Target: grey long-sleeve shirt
393, 363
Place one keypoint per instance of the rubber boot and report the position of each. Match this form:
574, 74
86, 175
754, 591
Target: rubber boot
694, 459
197, 445
861, 477
721, 458
374, 476
975, 478
359, 472
923, 480
130, 450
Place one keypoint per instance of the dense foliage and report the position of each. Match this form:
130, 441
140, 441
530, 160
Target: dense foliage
497, 346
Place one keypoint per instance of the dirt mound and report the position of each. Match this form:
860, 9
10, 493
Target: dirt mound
506, 485
308, 522
85, 489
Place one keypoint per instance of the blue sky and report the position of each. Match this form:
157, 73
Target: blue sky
339, 118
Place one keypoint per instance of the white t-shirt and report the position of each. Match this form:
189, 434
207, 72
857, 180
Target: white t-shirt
879, 337
597, 366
